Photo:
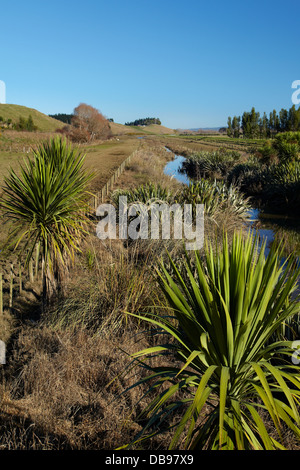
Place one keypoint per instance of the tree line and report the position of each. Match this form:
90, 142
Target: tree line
63, 117
144, 122
253, 125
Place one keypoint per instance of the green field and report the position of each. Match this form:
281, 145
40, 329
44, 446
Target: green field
224, 140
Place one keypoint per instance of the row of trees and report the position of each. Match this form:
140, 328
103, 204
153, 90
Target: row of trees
63, 117
25, 124
144, 122
21, 125
252, 124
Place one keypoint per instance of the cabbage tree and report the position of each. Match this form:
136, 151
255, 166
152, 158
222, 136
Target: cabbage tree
46, 201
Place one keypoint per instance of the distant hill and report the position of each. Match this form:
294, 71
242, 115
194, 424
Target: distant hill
158, 129
206, 129
119, 129
42, 121
203, 130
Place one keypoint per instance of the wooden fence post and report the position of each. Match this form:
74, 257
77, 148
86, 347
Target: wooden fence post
1, 294
110, 183
30, 271
11, 286
37, 255
20, 278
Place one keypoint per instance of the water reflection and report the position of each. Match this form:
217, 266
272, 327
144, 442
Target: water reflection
266, 226
172, 168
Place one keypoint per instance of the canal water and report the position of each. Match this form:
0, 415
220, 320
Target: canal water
173, 167
266, 226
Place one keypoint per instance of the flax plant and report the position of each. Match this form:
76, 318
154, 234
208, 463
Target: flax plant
231, 382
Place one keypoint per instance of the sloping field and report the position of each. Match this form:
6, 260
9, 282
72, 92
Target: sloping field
120, 129
42, 121
156, 129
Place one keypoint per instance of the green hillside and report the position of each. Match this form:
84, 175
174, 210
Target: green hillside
42, 121
153, 129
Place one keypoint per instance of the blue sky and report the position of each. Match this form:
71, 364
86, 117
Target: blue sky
192, 64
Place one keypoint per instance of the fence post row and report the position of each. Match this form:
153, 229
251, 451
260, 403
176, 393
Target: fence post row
33, 267
12, 285
110, 183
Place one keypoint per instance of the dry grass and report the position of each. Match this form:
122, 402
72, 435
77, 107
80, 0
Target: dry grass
67, 395
147, 166
63, 385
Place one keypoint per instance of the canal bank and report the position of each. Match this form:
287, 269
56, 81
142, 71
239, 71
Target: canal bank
268, 227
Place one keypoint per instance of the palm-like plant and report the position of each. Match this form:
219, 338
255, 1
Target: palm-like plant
228, 311
46, 203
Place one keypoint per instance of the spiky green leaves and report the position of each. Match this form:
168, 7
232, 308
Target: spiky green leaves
233, 363
46, 201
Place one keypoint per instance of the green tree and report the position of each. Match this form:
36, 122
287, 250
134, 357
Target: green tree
236, 126
274, 123
30, 126
46, 199
229, 127
293, 117
246, 125
263, 126
254, 123
21, 124
284, 120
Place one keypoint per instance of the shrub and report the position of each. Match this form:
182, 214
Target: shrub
210, 164
287, 145
282, 186
216, 197
249, 176
232, 383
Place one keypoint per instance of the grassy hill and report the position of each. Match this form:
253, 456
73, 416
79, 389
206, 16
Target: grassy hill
42, 121
158, 129
120, 129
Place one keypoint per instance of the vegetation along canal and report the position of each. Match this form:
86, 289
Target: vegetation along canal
268, 226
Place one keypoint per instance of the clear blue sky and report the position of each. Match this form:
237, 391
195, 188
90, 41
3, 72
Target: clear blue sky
192, 64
